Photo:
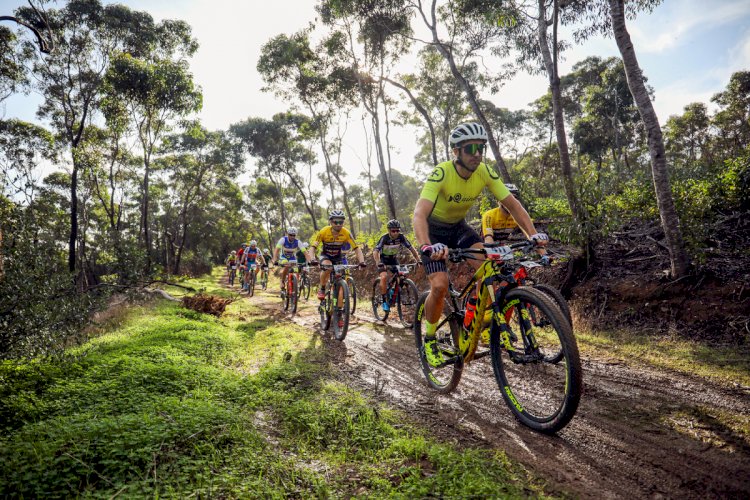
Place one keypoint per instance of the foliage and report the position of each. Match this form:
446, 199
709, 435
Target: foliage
174, 402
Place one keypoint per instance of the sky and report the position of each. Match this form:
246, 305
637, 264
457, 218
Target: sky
687, 49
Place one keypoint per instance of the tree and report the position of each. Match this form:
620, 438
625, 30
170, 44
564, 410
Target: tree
201, 161
155, 93
669, 219
465, 24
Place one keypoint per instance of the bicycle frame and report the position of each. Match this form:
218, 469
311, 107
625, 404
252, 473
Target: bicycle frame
398, 275
496, 281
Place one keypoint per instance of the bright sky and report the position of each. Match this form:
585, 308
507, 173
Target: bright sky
688, 49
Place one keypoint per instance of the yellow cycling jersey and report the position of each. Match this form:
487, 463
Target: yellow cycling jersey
453, 195
332, 243
495, 220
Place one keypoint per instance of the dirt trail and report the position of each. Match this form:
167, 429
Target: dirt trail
638, 432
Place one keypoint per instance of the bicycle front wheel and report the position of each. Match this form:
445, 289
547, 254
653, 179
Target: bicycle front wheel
307, 289
407, 299
325, 308
541, 394
341, 310
443, 378
251, 284
294, 293
264, 279
377, 302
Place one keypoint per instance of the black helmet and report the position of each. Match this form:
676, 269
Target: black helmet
394, 224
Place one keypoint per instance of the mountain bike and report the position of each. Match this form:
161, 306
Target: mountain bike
251, 279
291, 290
305, 284
401, 292
264, 277
232, 274
335, 308
541, 393
521, 275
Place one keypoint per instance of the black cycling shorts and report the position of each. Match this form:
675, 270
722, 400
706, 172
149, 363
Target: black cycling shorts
458, 235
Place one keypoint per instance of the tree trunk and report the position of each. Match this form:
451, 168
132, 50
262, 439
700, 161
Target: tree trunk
73, 216
470, 95
669, 220
424, 114
550, 65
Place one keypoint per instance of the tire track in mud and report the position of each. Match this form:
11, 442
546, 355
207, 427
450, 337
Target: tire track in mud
639, 432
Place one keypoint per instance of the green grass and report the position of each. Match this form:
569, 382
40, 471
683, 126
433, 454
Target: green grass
723, 364
174, 403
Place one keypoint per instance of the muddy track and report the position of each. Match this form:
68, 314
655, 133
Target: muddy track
638, 432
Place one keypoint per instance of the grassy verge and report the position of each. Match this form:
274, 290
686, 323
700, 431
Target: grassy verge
728, 365
175, 403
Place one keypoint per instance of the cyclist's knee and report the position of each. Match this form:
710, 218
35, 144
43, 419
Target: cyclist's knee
439, 283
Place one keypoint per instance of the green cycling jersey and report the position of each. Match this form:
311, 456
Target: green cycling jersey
453, 195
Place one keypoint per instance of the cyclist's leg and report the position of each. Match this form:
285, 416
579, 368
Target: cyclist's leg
284, 272
324, 274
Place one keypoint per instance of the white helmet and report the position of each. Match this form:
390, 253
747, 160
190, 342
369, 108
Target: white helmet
467, 132
253, 243
336, 214
292, 230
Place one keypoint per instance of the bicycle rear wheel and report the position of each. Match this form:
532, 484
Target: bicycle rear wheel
341, 310
407, 299
560, 302
444, 378
377, 302
542, 395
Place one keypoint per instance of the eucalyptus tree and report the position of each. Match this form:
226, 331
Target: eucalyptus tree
443, 105
608, 17
155, 94
296, 71
36, 21
278, 145
198, 163
13, 77
86, 36
732, 120
467, 36
376, 32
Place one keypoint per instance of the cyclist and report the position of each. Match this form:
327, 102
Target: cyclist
241, 264
385, 253
497, 223
333, 237
450, 191
301, 255
230, 261
251, 256
286, 253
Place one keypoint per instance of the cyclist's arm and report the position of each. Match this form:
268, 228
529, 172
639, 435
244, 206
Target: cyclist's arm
276, 253
487, 230
261, 259
521, 216
360, 255
376, 255
421, 212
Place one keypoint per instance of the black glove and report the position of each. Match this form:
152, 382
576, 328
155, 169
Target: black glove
381, 266
362, 265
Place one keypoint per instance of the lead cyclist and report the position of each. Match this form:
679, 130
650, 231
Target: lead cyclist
439, 218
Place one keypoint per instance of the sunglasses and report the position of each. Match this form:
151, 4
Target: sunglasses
395, 230
472, 149
338, 222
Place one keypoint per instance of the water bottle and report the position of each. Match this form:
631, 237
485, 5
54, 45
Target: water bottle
471, 308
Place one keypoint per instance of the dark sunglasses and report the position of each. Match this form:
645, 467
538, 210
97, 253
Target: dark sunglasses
472, 149
337, 221
395, 230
